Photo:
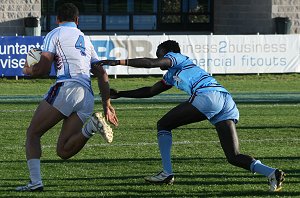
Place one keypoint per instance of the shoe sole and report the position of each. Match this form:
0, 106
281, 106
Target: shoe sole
280, 177
38, 189
105, 131
168, 181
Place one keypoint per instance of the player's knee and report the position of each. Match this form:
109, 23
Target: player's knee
233, 160
162, 125
62, 154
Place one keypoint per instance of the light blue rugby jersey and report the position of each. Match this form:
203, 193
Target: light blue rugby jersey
188, 77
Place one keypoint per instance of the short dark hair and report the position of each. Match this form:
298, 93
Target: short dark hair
67, 12
170, 46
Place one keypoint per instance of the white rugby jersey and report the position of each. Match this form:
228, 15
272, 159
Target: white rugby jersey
73, 53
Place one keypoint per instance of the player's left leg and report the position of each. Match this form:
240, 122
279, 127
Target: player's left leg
230, 144
184, 113
44, 118
225, 126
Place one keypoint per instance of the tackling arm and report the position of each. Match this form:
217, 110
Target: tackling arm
144, 92
163, 63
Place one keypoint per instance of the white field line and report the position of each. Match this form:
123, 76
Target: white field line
155, 143
141, 144
158, 106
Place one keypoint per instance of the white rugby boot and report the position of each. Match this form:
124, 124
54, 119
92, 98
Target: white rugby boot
100, 126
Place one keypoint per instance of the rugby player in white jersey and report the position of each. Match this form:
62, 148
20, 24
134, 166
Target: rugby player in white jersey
71, 98
208, 101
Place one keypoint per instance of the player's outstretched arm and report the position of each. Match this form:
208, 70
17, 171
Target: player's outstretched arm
163, 63
144, 92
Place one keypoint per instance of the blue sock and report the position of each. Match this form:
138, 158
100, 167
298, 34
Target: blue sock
257, 167
165, 144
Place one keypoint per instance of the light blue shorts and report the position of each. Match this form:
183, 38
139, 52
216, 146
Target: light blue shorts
69, 97
216, 106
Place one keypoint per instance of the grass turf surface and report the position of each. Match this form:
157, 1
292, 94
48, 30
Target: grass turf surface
269, 132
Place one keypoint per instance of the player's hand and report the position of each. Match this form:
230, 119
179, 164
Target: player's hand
114, 94
26, 69
111, 116
108, 62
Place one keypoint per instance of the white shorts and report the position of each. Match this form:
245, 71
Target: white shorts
69, 97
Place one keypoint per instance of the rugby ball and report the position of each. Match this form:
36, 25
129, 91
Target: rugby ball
33, 56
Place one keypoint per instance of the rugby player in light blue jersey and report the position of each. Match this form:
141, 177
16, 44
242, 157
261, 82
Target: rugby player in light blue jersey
71, 98
208, 101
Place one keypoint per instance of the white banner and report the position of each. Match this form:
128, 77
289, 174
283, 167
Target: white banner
217, 54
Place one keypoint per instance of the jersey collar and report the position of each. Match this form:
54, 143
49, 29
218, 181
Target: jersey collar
68, 24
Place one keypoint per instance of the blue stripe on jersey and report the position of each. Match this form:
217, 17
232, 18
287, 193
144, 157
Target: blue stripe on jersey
191, 99
48, 39
67, 70
188, 66
65, 61
211, 85
211, 88
198, 81
173, 59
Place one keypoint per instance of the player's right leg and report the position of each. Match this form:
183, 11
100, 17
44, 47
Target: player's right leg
184, 113
78, 107
73, 136
70, 140
44, 118
97, 124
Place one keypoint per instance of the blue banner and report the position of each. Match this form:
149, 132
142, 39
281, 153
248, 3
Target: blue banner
13, 51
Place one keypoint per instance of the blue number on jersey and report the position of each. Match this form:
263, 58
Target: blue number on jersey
80, 45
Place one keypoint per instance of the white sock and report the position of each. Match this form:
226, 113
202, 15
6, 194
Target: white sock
34, 166
87, 130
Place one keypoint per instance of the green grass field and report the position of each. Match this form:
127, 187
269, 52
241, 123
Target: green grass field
270, 131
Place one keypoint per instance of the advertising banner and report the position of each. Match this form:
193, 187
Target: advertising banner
217, 54
13, 51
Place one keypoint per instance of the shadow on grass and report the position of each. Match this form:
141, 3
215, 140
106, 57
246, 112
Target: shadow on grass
187, 184
134, 186
149, 160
